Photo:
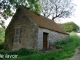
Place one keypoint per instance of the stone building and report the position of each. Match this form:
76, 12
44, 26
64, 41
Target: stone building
32, 31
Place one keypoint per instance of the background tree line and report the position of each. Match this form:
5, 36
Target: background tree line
70, 26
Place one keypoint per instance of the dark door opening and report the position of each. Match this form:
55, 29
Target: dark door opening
45, 37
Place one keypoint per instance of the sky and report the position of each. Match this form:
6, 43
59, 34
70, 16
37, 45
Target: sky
74, 18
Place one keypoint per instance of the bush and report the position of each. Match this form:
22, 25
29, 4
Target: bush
2, 35
1, 45
21, 52
63, 42
25, 52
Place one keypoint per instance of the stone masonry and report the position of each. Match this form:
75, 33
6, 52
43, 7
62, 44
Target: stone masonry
28, 34
52, 37
31, 33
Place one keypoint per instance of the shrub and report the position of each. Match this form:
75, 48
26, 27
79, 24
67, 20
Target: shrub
25, 52
1, 45
21, 52
2, 34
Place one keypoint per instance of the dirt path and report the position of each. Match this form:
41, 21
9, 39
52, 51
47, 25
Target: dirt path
77, 52
76, 55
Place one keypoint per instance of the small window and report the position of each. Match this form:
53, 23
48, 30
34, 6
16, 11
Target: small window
17, 35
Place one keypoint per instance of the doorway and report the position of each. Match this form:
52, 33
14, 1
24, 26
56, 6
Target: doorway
45, 38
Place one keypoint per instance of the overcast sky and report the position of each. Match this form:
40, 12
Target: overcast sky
75, 18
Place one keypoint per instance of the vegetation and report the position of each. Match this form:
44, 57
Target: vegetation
70, 26
79, 50
21, 52
8, 7
66, 52
2, 35
1, 45
57, 8
48, 8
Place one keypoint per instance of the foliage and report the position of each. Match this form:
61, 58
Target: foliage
66, 52
2, 34
25, 52
8, 7
1, 45
57, 8
70, 26
2, 24
21, 52
79, 50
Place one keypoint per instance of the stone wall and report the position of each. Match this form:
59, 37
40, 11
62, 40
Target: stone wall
28, 34
31, 36
52, 37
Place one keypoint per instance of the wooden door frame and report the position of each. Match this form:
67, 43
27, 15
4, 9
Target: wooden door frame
45, 40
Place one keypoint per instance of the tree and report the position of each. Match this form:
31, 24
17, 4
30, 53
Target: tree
70, 26
2, 24
56, 8
8, 7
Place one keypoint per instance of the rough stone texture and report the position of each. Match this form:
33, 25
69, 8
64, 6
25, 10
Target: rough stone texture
52, 37
28, 34
31, 36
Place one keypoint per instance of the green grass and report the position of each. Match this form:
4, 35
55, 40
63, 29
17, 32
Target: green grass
67, 51
2, 35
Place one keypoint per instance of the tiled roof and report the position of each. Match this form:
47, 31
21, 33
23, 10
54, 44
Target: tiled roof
44, 22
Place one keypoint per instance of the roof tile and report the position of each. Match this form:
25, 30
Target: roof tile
44, 22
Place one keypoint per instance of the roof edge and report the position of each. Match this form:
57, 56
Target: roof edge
54, 30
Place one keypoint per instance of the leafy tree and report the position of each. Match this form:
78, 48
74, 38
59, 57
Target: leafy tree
70, 26
8, 7
2, 23
56, 8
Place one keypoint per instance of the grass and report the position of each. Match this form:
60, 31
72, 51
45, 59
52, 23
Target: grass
67, 51
2, 35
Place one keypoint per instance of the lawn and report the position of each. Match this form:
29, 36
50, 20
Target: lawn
66, 52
